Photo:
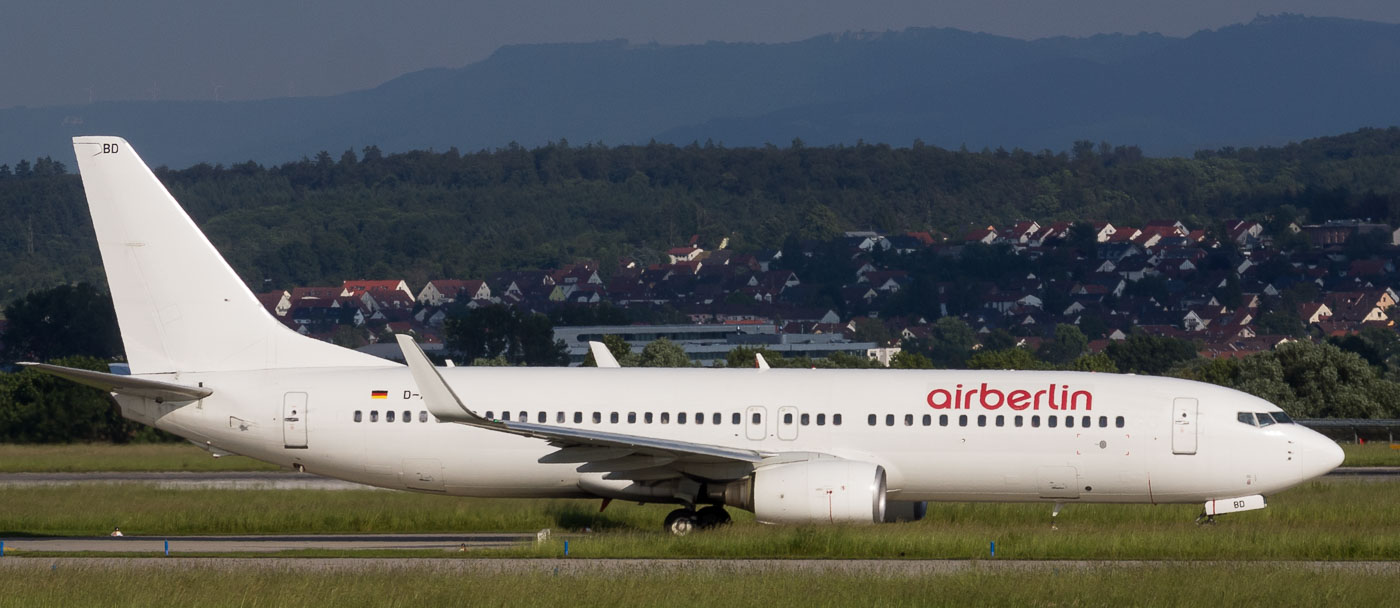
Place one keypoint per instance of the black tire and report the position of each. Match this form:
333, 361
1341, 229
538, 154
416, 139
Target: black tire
680, 522
711, 516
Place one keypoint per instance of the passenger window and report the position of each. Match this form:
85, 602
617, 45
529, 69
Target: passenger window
646, 417
578, 417
889, 419
942, 420
559, 417
1001, 420
524, 416
680, 418
787, 418
821, 419
389, 416
1069, 422
836, 419
1103, 422
1035, 422
489, 415
612, 417
665, 417
1118, 422
981, 420
928, 419
407, 416
806, 419
757, 418
1086, 421
631, 417
908, 420
716, 418
374, 415
542, 418
358, 415
423, 416
1018, 422
962, 420
1051, 421
734, 419
870, 419
699, 419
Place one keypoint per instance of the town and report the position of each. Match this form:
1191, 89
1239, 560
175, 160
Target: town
1232, 290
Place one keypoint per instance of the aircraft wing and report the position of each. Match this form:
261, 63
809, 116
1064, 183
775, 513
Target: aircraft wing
124, 385
621, 456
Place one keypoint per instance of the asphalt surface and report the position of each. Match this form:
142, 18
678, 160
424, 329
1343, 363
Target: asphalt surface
263, 543
596, 567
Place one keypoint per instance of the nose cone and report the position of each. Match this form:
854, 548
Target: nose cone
1321, 456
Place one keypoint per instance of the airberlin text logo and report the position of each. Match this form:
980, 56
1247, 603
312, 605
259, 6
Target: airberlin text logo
1054, 397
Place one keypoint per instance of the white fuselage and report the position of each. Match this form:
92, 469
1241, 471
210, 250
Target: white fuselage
1148, 440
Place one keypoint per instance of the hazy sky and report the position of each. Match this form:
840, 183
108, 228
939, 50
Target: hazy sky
70, 52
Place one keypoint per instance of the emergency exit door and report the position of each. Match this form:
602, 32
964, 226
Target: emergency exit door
1183, 426
294, 420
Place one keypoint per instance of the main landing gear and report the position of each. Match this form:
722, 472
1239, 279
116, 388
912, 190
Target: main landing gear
682, 521
1205, 519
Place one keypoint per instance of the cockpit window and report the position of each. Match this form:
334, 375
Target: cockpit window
1282, 418
1265, 419
1246, 417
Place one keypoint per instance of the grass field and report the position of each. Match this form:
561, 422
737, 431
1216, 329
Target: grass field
1322, 520
1374, 454
186, 457
105, 584
87, 457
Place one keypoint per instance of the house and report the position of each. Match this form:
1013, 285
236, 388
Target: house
377, 289
445, 291
688, 253
276, 302
1314, 312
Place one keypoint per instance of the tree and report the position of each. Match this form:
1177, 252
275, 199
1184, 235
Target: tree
871, 330
1152, 355
949, 343
1067, 345
910, 360
39, 408
1012, 358
494, 331
63, 321
663, 353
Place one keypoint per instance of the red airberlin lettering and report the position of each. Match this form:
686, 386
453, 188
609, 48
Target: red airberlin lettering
1053, 397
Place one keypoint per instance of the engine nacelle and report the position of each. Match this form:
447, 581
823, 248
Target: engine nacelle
817, 491
905, 510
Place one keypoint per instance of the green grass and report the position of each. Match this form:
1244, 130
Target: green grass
1323, 520
89, 457
101, 584
1374, 454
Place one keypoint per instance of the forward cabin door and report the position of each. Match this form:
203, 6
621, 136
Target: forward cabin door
294, 420
1183, 426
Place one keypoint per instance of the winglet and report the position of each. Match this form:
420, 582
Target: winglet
602, 356
759, 361
437, 395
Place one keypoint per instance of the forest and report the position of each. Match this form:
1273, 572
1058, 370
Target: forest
427, 214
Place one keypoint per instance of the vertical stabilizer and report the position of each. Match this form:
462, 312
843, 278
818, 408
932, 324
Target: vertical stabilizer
179, 304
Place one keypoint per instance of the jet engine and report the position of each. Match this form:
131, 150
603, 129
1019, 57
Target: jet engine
816, 491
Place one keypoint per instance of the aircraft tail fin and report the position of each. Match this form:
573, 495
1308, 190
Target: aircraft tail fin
179, 305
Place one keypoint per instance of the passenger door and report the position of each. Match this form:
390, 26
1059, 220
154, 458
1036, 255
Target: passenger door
294, 420
1183, 426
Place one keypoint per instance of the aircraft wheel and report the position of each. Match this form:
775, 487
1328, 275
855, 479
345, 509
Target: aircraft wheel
711, 516
680, 522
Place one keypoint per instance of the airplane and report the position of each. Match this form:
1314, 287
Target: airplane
210, 364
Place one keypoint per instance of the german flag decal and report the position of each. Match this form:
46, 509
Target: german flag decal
379, 394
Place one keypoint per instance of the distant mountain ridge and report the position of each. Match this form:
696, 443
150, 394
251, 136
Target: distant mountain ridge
1273, 80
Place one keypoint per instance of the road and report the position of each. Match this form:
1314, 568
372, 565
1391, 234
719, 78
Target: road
262, 543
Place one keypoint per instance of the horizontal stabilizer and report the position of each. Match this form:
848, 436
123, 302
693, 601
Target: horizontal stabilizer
124, 385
